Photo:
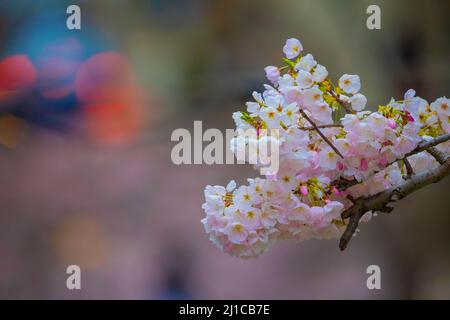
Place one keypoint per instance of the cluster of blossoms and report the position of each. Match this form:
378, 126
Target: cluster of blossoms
325, 136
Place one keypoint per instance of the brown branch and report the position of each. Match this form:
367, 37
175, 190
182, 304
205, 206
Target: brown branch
438, 155
343, 184
321, 134
409, 169
380, 201
424, 145
334, 125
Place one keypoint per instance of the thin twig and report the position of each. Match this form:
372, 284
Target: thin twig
424, 145
324, 126
380, 201
409, 169
321, 134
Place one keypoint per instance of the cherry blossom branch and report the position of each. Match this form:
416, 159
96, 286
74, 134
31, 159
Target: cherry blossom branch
320, 133
343, 184
302, 79
380, 201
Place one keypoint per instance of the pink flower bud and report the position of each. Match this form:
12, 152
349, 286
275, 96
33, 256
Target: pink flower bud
304, 190
363, 166
392, 123
409, 116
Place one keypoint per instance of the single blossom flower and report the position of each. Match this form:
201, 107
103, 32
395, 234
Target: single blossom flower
320, 73
306, 63
292, 48
358, 102
350, 83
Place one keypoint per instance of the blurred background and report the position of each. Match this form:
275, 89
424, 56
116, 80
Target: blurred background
85, 122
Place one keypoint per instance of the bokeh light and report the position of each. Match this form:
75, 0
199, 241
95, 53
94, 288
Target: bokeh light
16, 73
107, 87
57, 66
